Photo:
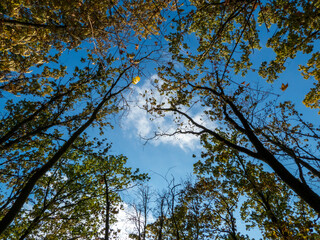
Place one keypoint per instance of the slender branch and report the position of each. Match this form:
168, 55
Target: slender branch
16, 23
216, 135
300, 188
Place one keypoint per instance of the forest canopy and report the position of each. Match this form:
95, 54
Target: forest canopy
221, 69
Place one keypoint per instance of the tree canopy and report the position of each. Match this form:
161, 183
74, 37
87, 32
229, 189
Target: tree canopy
217, 59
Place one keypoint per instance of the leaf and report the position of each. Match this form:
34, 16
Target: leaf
135, 80
284, 86
130, 55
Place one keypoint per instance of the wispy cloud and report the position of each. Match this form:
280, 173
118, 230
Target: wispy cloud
146, 126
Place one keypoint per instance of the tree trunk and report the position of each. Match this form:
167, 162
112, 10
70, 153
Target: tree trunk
107, 219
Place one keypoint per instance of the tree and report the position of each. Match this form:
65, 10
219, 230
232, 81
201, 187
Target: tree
234, 112
227, 184
169, 221
201, 213
157, 228
267, 203
141, 209
298, 32
229, 34
46, 155
77, 197
49, 110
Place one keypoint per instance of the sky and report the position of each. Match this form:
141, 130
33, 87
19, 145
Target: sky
170, 157
161, 157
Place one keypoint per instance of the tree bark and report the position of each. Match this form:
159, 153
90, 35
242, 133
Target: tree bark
16, 23
107, 219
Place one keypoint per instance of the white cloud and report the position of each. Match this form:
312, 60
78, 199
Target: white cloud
138, 120
124, 224
126, 218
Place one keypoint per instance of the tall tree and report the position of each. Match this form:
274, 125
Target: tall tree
50, 109
140, 213
45, 151
77, 197
266, 202
235, 111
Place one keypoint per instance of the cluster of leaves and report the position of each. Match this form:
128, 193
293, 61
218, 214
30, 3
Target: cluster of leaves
298, 31
34, 33
228, 34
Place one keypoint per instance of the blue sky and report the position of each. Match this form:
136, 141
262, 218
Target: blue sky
172, 156
158, 157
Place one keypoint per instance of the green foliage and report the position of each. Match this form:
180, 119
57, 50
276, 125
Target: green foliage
34, 33
266, 202
227, 184
48, 161
70, 200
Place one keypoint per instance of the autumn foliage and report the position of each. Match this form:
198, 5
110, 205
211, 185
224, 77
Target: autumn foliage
67, 67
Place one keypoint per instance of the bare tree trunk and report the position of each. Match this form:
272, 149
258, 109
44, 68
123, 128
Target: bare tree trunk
107, 219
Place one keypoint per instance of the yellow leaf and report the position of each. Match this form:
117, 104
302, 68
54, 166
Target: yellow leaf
135, 80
